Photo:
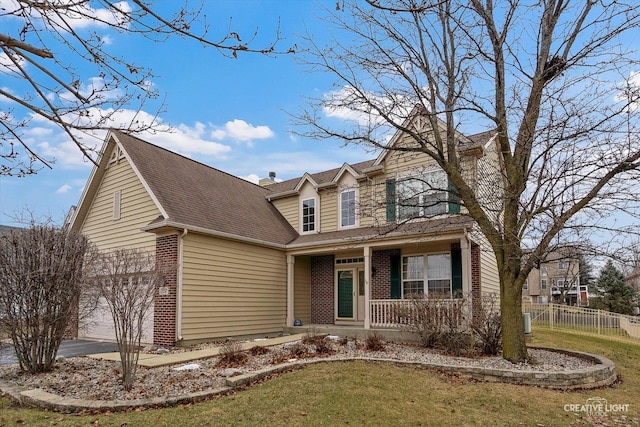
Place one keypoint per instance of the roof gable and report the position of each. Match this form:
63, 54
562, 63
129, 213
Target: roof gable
190, 194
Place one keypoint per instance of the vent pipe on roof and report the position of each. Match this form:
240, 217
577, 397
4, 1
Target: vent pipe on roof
268, 181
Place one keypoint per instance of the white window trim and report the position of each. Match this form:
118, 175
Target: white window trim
419, 176
544, 284
525, 285
425, 278
316, 215
543, 271
356, 198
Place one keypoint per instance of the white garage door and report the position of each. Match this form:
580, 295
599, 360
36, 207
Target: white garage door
100, 325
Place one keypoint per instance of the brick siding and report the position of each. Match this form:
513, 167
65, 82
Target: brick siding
476, 289
322, 297
164, 309
381, 280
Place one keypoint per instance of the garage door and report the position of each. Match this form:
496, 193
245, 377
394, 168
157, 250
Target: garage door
100, 325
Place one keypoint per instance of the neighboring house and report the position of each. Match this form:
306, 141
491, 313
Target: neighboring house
633, 279
556, 279
337, 247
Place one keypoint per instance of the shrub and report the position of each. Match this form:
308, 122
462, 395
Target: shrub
258, 350
313, 337
487, 325
231, 355
323, 347
434, 318
374, 342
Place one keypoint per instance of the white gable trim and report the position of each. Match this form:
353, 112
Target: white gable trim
306, 177
346, 168
139, 175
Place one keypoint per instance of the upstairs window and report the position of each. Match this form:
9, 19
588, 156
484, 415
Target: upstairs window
525, 285
348, 208
543, 284
422, 196
563, 265
308, 215
543, 271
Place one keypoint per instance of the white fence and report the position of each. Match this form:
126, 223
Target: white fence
584, 320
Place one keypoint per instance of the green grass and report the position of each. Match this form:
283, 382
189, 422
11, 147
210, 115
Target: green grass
360, 393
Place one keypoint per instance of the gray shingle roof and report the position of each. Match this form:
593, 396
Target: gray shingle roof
197, 195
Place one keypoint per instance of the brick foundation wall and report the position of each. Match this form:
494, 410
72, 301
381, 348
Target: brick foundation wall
164, 308
476, 290
381, 280
322, 298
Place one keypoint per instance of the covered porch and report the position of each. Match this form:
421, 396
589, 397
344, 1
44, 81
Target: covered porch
362, 285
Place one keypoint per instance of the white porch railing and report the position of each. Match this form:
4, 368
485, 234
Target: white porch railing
397, 313
585, 320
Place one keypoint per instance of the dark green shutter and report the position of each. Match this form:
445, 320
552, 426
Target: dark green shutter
345, 296
395, 276
456, 272
454, 198
390, 187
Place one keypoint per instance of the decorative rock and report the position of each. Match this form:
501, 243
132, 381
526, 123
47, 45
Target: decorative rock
162, 351
231, 372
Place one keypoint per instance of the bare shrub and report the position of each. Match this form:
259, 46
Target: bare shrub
298, 351
323, 347
127, 280
312, 337
259, 350
434, 318
42, 290
487, 325
231, 355
374, 342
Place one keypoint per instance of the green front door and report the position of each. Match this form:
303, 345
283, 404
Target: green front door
345, 294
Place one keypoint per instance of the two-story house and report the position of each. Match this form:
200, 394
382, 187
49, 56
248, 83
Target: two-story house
556, 279
338, 247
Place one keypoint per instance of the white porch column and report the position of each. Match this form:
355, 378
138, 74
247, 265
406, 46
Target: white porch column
465, 251
367, 287
291, 261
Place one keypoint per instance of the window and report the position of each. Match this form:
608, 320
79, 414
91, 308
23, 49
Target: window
563, 265
561, 283
422, 196
525, 285
543, 284
117, 196
438, 275
348, 208
542, 299
308, 215
412, 275
543, 271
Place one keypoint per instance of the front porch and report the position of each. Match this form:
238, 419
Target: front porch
360, 287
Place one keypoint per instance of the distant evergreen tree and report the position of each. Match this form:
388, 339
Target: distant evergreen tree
586, 272
614, 294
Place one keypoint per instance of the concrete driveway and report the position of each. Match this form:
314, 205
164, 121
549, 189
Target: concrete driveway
69, 348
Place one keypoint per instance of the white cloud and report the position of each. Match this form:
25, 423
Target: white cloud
63, 189
241, 131
251, 178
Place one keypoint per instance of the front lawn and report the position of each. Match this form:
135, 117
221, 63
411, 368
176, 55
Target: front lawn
362, 393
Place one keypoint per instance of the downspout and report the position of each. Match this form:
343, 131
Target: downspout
179, 285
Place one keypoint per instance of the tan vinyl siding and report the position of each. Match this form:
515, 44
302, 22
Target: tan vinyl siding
489, 279
302, 289
329, 210
231, 288
490, 185
137, 209
289, 209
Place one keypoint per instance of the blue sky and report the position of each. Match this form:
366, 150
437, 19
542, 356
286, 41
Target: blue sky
231, 114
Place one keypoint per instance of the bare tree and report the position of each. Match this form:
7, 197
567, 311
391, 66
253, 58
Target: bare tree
42, 290
127, 280
557, 83
44, 46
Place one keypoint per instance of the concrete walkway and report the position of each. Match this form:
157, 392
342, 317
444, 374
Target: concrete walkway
155, 360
